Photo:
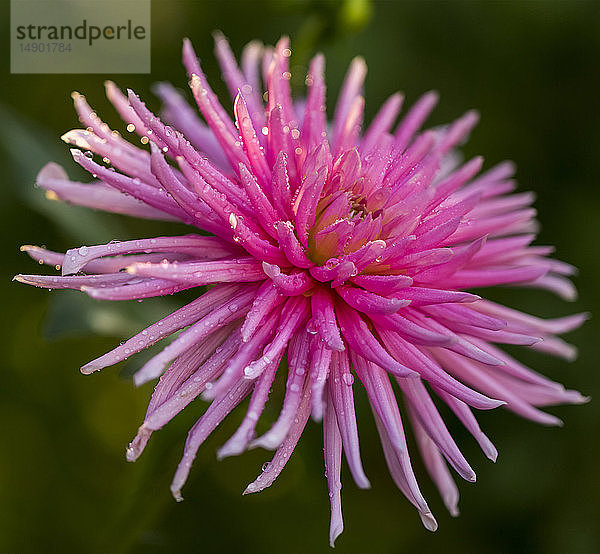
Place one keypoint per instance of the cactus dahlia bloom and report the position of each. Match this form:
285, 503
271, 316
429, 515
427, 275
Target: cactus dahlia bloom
351, 251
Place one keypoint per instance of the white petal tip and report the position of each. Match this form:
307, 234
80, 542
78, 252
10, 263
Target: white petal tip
334, 533
88, 369
266, 442
139, 380
208, 395
363, 483
429, 522
228, 450
578, 398
490, 451
130, 454
251, 488
51, 171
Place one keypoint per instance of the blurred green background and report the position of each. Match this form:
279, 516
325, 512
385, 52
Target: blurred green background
532, 69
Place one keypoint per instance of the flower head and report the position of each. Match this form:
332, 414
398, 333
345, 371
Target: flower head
351, 252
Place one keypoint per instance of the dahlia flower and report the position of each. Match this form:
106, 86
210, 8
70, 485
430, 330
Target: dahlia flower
351, 253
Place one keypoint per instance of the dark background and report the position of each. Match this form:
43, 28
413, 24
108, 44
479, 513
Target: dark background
531, 68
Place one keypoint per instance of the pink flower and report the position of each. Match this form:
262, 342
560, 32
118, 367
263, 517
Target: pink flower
348, 251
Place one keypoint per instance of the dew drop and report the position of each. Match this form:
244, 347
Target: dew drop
311, 327
348, 378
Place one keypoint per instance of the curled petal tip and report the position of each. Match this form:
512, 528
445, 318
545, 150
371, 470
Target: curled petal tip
578, 398
267, 441
429, 521
227, 451
363, 483
453, 508
50, 171
494, 403
334, 532
91, 367
130, 454
75, 152
251, 488
139, 380
492, 453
